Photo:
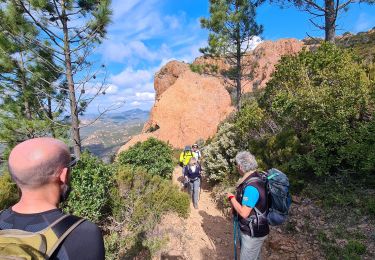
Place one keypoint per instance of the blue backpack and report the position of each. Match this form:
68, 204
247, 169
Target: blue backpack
277, 184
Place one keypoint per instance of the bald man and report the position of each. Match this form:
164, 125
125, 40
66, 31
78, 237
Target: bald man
41, 169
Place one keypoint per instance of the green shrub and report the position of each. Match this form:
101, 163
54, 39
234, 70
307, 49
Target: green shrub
91, 180
139, 200
354, 249
154, 155
324, 97
8, 191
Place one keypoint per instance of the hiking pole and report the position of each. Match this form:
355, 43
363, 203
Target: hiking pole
200, 188
235, 235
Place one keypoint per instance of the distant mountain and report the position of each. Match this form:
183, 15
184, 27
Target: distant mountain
124, 116
129, 115
110, 131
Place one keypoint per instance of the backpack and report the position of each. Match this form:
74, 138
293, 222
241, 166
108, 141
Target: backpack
278, 196
19, 244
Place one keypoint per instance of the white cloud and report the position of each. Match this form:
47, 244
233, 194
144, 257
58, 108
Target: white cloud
135, 103
142, 39
145, 96
129, 78
111, 89
118, 51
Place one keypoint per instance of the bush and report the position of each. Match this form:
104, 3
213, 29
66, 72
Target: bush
324, 98
8, 191
91, 180
219, 154
153, 155
139, 201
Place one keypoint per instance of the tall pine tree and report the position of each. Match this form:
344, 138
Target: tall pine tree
72, 28
24, 72
232, 28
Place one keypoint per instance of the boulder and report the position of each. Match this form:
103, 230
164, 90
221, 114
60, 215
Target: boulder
189, 106
189, 110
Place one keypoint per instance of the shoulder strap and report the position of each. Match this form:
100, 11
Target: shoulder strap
59, 230
252, 179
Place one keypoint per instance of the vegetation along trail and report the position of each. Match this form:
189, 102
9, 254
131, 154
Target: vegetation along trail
205, 234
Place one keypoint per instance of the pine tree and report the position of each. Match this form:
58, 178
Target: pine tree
232, 28
25, 69
72, 29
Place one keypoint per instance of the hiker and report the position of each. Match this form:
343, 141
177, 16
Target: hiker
41, 168
193, 173
196, 152
184, 160
250, 197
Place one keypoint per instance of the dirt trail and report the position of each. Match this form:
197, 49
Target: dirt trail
205, 234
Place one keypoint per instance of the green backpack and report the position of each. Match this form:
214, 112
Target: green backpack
18, 244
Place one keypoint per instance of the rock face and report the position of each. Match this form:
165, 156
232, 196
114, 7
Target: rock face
189, 110
189, 106
167, 76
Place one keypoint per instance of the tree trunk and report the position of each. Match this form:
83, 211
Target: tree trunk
24, 89
76, 139
238, 68
330, 21
50, 116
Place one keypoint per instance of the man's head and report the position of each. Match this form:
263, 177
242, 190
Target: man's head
194, 147
40, 161
246, 162
187, 148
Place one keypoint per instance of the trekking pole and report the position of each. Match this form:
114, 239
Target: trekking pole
200, 188
235, 235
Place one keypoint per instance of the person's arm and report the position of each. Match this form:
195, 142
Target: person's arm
249, 200
242, 210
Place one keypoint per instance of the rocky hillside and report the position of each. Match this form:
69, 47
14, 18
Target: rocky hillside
189, 106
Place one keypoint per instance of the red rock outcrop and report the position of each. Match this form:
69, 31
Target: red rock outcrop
167, 76
187, 111
189, 106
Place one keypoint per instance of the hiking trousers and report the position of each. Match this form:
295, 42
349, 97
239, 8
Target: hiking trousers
251, 247
194, 189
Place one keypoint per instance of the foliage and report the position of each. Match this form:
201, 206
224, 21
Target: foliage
71, 29
232, 27
8, 191
219, 154
314, 118
336, 193
324, 97
154, 155
91, 181
139, 199
28, 99
329, 9
354, 249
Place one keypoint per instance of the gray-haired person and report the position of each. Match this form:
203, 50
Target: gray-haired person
193, 172
250, 197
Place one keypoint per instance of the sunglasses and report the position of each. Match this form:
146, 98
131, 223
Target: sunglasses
73, 161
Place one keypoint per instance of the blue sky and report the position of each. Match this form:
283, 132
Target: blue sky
145, 34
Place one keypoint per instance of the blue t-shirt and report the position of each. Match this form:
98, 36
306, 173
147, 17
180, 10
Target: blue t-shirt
250, 196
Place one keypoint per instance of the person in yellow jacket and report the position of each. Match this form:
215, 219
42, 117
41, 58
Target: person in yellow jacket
185, 156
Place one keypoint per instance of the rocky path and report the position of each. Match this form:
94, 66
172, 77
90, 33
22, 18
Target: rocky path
205, 234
